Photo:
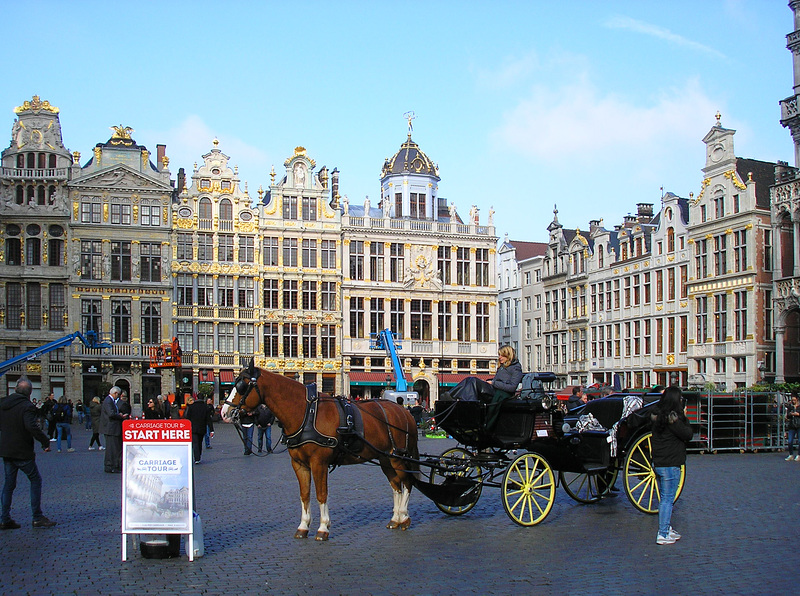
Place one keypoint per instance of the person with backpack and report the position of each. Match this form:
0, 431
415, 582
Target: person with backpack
62, 416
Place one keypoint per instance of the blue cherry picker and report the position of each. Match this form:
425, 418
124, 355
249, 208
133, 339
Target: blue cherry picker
386, 340
90, 340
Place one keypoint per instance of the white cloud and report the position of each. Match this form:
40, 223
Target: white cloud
630, 24
577, 120
192, 138
512, 71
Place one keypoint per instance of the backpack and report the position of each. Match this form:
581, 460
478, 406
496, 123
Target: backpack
60, 413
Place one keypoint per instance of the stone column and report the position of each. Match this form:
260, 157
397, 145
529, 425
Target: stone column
779, 378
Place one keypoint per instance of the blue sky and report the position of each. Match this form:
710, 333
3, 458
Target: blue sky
594, 106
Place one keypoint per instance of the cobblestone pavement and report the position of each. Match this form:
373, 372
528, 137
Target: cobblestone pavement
737, 515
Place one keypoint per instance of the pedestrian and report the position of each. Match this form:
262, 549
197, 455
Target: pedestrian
578, 398
111, 426
18, 430
210, 428
95, 412
200, 417
152, 409
47, 412
87, 412
124, 405
793, 427
247, 420
62, 415
264, 420
671, 433
166, 407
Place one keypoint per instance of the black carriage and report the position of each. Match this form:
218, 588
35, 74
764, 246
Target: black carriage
536, 445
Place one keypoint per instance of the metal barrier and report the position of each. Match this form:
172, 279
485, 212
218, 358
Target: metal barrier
740, 421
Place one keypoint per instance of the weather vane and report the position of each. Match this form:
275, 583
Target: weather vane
410, 116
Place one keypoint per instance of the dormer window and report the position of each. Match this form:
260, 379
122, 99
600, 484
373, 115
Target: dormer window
225, 184
205, 183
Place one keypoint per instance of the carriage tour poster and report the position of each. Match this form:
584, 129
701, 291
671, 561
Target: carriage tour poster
157, 477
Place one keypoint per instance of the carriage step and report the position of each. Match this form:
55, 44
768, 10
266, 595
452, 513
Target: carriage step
594, 469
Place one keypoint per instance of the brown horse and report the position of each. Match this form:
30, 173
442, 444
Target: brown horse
389, 431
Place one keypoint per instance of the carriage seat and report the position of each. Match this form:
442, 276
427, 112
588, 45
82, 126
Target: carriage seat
607, 411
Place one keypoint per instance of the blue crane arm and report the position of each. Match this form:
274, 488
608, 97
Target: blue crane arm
384, 340
90, 340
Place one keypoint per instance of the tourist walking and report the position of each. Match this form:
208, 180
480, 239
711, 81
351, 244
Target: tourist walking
18, 430
95, 412
62, 416
200, 417
111, 426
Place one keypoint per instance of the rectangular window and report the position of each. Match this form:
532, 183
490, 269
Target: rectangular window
121, 321
377, 320
671, 334
55, 252
33, 310
225, 248
636, 290
310, 341
309, 253
247, 338
185, 334
33, 251
120, 214
271, 340
357, 260
740, 314
463, 321
701, 258
150, 261
205, 337
671, 283
482, 321
225, 291
13, 251
91, 212
616, 295
290, 252
767, 250
462, 266
290, 294
684, 281
309, 295
91, 314
328, 254
646, 286
627, 291
58, 306
397, 319
720, 317
91, 259
269, 255
150, 215
684, 333
327, 341
205, 290
445, 319
719, 206
417, 205
421, 320
740, 251
396, 258
270, 293
185, 289
659, 286
482, 267
289, 207
398, 204
151, 321
247, 249
309, 208
120, 261
184, 252
246, 290
444, 263
356, 317
328, 295
720, 254
205, 247
376, 261
225, 338
702, 319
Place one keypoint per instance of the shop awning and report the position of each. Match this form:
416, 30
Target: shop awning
206, 376
370, 378
451, 380
226, 377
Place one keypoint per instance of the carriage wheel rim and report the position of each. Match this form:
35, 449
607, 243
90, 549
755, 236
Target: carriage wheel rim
529, 491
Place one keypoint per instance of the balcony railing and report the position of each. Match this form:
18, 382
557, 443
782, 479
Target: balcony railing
418, 225
35, 173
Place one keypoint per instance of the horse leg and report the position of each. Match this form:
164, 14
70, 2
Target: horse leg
320, 472
304, 480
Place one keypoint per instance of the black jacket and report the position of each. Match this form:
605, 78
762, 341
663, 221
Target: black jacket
264, 416
508, 378
18, 428
669, 444
200, 417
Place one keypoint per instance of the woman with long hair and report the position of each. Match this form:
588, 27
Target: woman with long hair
671, 433
504, 384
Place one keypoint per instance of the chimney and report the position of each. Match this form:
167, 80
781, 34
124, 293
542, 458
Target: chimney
644, 211
594, 225
181, 179
335, 186
161, 152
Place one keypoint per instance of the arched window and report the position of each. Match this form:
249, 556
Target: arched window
31, 160
31, 192
51, 161
205, 208
40, 194
42, 162
670, 239
20, 160
225, 210
20, 194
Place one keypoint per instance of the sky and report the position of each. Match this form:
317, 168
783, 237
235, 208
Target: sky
590, 106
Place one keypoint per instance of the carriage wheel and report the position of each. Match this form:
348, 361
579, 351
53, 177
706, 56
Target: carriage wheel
473, 472
587, 488
529, 489
640, 476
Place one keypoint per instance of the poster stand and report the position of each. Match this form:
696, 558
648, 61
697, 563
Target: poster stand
157, 480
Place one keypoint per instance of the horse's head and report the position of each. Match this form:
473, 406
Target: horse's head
245, 394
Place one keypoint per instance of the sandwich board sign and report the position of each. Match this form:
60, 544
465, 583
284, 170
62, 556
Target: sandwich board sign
157, 481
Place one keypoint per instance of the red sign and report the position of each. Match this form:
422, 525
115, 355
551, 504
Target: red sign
157, 431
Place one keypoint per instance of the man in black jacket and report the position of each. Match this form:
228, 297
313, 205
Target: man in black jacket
18, 429
200, 417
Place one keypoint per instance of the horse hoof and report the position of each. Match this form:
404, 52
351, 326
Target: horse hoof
393, 525
405, 524
301, 534
321, 536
